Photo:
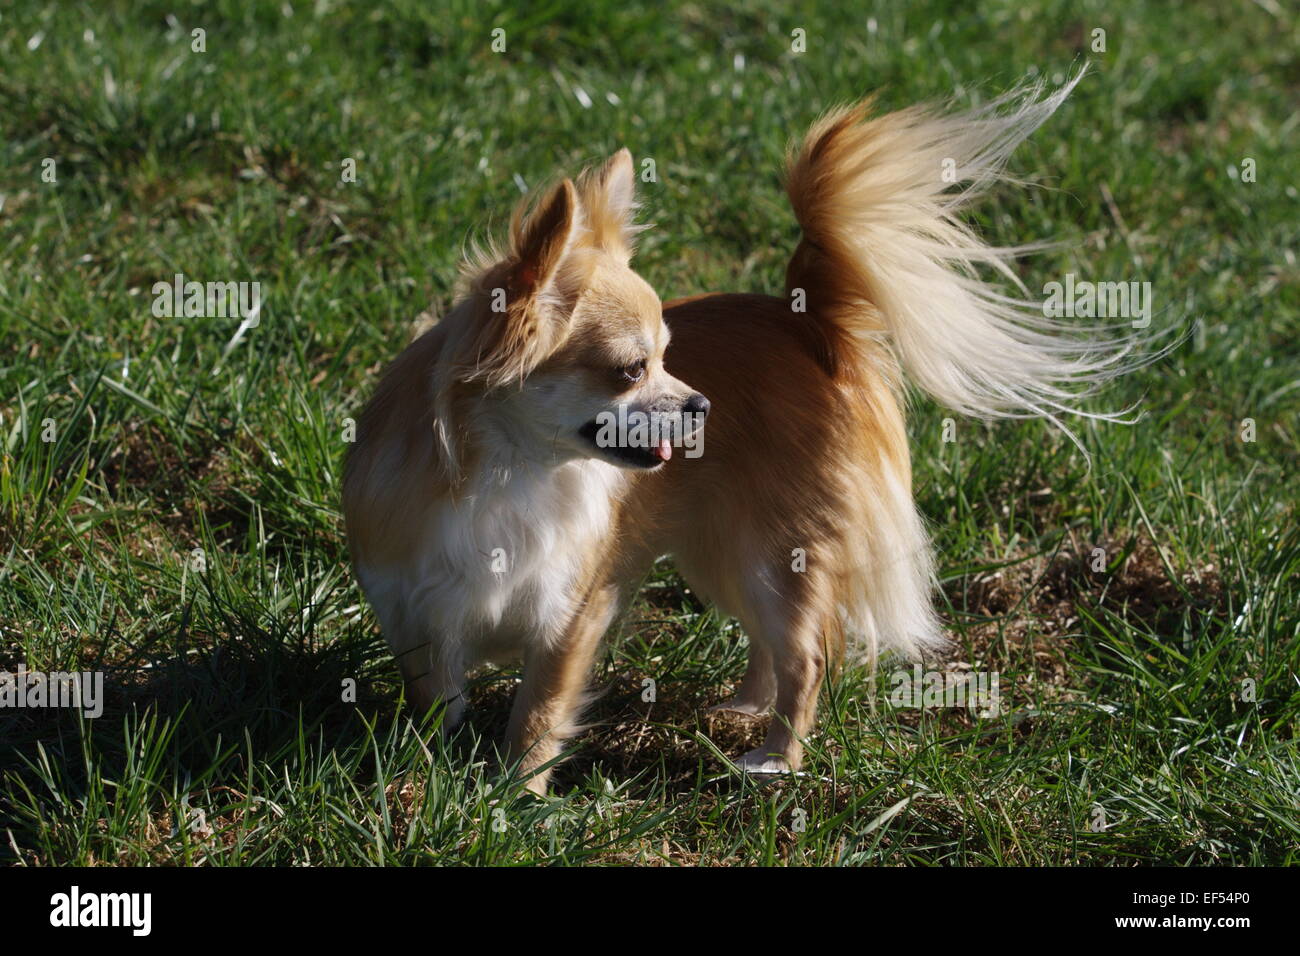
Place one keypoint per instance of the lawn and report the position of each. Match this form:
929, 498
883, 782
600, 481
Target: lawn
169, 487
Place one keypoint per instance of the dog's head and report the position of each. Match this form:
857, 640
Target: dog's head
564, 343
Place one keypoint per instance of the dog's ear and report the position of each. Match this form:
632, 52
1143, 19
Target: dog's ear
540, 239
609, 200
530, 296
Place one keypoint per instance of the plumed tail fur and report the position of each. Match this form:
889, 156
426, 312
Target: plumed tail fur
889, 268
896, 283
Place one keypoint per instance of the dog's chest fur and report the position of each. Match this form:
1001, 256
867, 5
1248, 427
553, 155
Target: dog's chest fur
504, 561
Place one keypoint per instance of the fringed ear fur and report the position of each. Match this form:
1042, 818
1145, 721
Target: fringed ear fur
540, 238
529, 296
609, 201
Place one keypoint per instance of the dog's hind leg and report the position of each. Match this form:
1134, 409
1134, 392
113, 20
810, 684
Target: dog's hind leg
757, 691
788, 620
800, 668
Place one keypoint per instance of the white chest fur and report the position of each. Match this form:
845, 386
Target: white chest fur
502, 564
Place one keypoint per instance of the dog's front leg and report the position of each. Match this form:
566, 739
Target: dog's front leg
547, 705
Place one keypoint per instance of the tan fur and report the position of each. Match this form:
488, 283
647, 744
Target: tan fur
797, 519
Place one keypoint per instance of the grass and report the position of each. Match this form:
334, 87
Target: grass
1149, 708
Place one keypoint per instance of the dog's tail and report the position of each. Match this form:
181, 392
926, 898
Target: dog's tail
888, 268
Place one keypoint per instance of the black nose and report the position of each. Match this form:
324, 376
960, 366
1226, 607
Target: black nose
697, 404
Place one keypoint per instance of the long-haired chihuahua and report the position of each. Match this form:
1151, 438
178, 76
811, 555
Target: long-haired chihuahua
514, 475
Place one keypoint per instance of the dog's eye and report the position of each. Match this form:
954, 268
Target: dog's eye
634, 372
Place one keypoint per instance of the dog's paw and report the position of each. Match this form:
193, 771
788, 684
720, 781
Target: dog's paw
738, 706
761, 763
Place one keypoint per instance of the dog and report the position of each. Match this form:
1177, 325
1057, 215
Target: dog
492, 514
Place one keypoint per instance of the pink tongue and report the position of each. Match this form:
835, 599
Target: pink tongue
664, 450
